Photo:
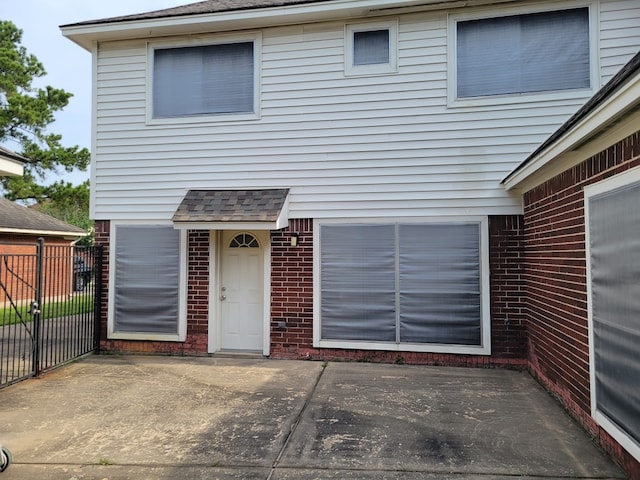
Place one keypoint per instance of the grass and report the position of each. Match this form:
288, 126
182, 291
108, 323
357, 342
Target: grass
82, 303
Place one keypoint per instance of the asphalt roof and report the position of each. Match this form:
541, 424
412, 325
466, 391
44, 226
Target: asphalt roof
231, 205
18, 217
200, 8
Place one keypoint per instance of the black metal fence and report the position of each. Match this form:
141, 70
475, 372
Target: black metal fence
49, 306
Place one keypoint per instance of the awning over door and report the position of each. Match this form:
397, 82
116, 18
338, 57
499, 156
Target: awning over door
233, 209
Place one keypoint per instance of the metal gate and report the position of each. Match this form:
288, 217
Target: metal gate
49, 306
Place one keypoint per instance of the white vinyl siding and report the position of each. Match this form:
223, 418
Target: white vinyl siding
347, 146
617, 16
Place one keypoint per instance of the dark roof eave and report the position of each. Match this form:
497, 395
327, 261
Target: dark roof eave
200, 8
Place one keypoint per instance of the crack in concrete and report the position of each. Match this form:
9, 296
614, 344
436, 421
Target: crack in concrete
295, 424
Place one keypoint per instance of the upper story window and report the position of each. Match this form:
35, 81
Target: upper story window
520, 54
370, 48
198, 80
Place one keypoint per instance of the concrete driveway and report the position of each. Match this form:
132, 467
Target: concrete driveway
138, 417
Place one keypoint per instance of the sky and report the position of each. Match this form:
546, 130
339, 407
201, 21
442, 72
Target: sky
68, 66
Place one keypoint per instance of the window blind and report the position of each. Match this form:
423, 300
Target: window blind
439, 267
147, 279
614, 233
358, 282
371, 47
212, 79
523, 53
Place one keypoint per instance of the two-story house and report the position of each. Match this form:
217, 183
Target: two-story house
322, 178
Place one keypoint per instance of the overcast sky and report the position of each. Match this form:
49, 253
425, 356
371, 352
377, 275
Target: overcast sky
68, 66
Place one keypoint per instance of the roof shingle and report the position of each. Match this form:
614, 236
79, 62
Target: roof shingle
201, 8
17, 217
231, 205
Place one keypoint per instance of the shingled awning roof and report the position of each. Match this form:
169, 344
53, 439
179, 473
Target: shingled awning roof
232, 209
17, 219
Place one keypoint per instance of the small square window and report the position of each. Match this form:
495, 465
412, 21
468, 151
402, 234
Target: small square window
370, 48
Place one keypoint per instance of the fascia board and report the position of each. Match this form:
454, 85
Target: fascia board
10, 167
227, 225
48, 233
85, 35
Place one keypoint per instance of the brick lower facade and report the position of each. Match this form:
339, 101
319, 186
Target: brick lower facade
556, 284
291, 326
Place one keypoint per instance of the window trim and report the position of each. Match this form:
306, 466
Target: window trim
351, 29
182, 316
255, 37
612, 183
580, 93
485, 295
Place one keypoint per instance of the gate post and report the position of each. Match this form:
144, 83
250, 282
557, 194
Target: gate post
36, 306
97, 297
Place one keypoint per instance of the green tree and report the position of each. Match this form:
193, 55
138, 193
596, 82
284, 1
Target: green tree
25, 113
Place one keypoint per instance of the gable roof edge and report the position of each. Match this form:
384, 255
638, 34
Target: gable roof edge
612, 102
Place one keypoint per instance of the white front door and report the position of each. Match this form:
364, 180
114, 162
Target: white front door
241, 292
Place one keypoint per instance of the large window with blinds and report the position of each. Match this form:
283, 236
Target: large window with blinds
403, 286
212, 79
613, 269
525, 53
146, 299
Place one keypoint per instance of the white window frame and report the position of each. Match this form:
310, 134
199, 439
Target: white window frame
479, 14
255, 37
485, 300
377, 68
609, 184
182, 296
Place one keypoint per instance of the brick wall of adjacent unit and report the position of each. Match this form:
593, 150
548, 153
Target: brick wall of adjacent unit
292, 302
556, 283
18, 274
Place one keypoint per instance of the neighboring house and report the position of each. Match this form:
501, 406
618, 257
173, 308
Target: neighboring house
322, 179
581, 191
20, 228
10, 163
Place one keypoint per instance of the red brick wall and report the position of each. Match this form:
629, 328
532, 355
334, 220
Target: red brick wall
20, 281
198, 292
556, 285
506, 264
292, 291
292, 302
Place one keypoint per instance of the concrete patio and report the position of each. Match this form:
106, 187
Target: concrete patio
143, 417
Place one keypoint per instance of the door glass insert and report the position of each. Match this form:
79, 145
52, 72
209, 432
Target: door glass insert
244, 240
